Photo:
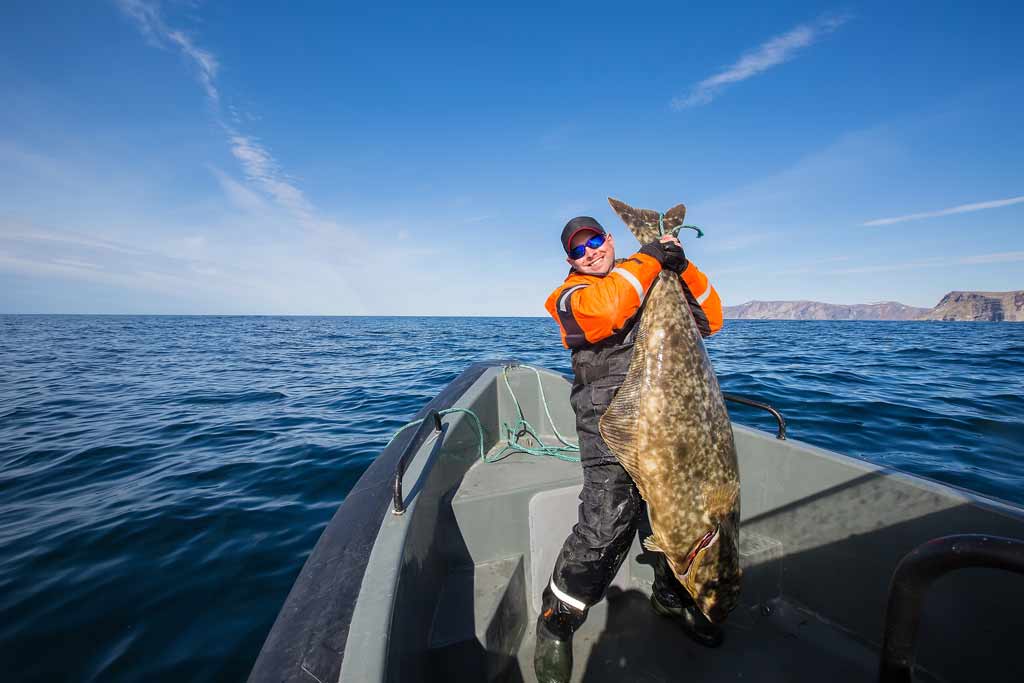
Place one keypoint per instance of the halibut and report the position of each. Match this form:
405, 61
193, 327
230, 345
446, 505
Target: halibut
669, 428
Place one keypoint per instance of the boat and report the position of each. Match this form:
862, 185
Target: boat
432, 568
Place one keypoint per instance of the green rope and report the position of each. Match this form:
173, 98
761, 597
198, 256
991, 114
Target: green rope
446, 411
675, 232
515, 432
522, 428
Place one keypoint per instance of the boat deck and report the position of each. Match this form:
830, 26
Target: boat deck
623, 639
454, 583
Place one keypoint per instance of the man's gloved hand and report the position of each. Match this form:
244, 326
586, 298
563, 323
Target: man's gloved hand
668, 253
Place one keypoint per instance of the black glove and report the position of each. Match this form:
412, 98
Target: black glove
669, 254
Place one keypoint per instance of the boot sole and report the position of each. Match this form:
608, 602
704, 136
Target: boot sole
676, 614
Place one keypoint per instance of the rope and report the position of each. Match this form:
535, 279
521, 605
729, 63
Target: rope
675, 231
513, 433
446, 411
522, 428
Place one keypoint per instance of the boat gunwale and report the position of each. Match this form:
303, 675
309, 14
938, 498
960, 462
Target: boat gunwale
309, 635
923, 481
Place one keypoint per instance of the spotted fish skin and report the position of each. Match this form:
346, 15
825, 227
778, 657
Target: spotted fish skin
669, 428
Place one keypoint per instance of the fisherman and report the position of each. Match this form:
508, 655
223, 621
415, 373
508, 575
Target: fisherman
597, 308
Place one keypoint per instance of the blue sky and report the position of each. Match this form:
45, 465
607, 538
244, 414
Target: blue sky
301, 158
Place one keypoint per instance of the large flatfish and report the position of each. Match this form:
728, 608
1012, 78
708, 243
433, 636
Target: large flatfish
669, 428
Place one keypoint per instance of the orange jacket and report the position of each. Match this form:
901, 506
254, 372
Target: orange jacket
589, 308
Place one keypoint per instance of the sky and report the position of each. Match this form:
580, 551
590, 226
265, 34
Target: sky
186, 157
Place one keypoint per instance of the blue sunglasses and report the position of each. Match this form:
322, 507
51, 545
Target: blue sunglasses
579, 250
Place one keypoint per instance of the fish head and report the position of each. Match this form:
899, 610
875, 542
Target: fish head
710, 571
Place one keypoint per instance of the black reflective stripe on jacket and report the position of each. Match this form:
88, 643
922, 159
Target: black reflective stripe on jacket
699, 316
574, 336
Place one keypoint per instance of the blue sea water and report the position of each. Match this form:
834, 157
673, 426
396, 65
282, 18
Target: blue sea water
162, 479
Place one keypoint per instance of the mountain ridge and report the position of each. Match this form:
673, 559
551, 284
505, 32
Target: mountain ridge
975, 306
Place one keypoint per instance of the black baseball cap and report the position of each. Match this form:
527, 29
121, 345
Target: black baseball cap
577, 224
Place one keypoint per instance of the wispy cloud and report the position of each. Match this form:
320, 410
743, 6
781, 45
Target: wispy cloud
76, 263
261, 169
963, 208
180, 270
150, 22
892, 267
84, 271
258, 164
1001, 257
935, 262
816, 268
205, 62
776, 51
239, 195
20, 233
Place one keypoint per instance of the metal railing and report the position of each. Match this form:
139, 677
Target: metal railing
915, 574
781, 433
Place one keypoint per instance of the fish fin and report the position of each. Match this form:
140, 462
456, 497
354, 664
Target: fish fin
651, 544
618, 425
720, 499
643, 223
674, 217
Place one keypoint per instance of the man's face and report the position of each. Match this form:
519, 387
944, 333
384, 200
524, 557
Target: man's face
598, 261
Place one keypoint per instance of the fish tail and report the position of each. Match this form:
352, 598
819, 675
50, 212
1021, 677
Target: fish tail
648, 225
720, 499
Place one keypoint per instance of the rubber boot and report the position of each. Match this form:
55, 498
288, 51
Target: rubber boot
552, 657
669, 599
692, 621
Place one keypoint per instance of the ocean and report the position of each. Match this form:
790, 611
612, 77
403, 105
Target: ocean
163, 479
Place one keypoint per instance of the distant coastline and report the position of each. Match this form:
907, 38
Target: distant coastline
954, 306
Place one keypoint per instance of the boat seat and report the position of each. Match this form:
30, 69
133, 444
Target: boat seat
480, 621
491, 504
492, 498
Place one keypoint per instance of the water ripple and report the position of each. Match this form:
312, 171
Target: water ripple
162, 479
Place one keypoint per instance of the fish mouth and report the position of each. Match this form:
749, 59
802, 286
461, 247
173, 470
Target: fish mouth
694, 558
705, 542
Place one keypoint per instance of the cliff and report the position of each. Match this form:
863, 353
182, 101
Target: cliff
971, 306
995, 306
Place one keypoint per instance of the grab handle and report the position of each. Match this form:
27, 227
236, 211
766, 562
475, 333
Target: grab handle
916, 572
431, 422
781, 433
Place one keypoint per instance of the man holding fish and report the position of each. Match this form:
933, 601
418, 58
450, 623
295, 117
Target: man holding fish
653, 433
